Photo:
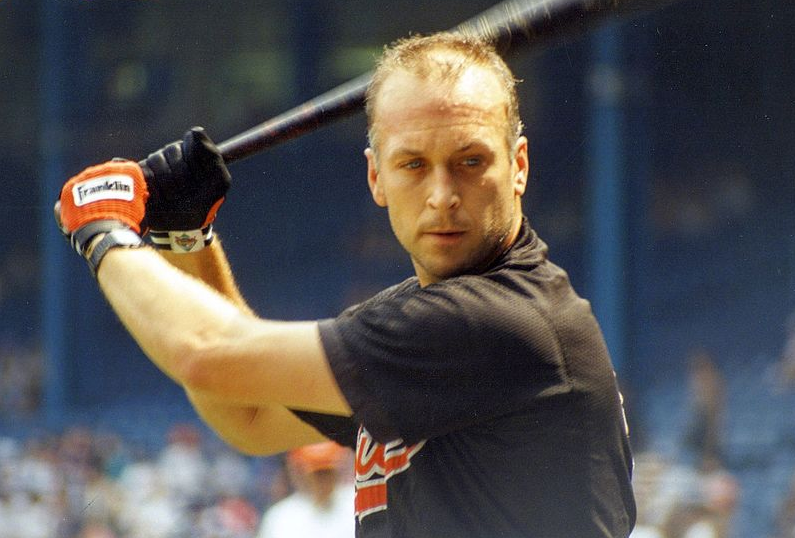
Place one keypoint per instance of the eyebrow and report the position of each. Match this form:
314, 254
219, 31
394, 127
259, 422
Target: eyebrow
469, 146
409, 152
405, 152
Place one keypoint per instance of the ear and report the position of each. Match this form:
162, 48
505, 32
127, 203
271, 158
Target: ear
373, 180
520, 166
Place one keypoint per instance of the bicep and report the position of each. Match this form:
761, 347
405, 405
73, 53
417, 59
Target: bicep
275, 429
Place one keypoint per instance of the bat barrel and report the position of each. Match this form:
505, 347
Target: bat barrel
512, 24
509, 24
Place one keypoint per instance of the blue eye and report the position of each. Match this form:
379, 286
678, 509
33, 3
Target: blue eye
412, 165
472, 161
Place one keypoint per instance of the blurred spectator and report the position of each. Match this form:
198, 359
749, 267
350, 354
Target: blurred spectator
97, 530
149, 510
680, 501
720, 491
38, 500
661, 486
101, 502
231, 517
322, 503
230, 474
709, 514
270, 483
690, 521
702, 437
113, 453
75, 458
231, 513
30, 516
183, 466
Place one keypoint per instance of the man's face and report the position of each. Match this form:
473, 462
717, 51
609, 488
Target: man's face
445, 171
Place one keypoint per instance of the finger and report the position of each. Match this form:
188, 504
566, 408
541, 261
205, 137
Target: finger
201, 150
56, 210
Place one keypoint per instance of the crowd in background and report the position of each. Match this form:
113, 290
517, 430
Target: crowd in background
695, 496
85, 484
705, 485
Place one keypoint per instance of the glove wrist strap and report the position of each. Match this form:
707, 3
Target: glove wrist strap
182, 241
120, 237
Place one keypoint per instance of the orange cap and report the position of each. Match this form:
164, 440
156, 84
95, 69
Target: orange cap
318, 457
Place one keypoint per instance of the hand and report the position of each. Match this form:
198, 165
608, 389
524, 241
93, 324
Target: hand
187, 181
104, 200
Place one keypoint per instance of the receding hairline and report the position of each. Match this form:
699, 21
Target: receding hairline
445, 56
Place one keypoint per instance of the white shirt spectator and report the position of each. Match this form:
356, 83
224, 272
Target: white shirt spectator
297, 516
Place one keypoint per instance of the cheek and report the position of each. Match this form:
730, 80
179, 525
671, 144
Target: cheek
403, 202
402, 217
492, 200
402, 229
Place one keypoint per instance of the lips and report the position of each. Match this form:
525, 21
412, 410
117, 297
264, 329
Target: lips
445, 236
444, 231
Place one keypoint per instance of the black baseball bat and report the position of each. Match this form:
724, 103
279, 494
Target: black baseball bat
510, 24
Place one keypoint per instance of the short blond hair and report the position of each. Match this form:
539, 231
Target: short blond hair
413, 54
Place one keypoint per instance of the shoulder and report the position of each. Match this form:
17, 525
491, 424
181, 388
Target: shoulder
510, 293
395, 291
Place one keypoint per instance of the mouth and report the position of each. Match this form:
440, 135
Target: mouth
445, 237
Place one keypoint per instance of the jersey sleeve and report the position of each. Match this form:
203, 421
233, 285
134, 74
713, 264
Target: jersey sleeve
427, 361
342, 430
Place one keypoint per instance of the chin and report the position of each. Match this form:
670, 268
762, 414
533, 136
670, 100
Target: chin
447, 265
444, 271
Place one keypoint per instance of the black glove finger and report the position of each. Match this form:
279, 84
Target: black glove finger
179, 177
174, 158
198, 147
159, 166
203, 155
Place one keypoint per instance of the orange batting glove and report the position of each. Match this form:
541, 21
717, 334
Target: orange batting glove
101, 208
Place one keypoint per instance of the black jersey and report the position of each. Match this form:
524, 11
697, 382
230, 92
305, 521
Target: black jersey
484, 406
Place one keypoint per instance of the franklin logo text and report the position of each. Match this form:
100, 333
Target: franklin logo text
111, 187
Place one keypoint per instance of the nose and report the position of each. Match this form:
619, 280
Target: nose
443, 192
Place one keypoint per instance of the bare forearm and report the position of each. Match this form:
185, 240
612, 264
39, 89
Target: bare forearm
162, 308
211, 266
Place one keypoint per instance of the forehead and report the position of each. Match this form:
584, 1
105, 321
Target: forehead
410, 104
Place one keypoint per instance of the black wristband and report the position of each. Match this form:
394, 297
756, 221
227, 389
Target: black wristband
120, 237
182, 241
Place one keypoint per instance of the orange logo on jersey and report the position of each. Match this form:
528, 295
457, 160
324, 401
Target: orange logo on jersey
375, 465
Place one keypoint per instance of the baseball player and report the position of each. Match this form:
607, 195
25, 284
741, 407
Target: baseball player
479, 394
